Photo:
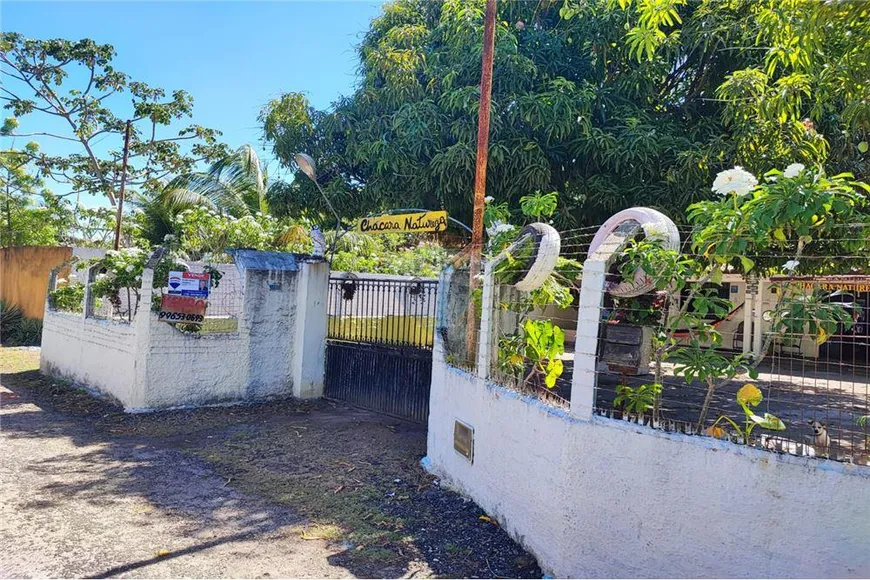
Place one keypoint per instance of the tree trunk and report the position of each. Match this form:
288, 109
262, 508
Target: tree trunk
711, 386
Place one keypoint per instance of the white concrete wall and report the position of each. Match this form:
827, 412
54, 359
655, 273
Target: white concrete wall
100, 354
192, 369
278, 350
271, 306
604, 498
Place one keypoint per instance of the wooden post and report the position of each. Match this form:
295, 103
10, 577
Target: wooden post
123, 183
480, 170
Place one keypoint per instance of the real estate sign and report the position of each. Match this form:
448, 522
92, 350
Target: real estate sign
189, 284
187, 309
426, 221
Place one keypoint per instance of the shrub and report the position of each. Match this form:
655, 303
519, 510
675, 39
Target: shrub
10, 319
28, 333
70, 297
16, 329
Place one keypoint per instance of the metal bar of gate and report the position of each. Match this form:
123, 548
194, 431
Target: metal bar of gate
379, 344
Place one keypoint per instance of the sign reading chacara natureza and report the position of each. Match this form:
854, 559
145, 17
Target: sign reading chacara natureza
427, 221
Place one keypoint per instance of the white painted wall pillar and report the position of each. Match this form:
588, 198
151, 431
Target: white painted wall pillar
586, 344
485, 339
309, 355
90, 278
142, 328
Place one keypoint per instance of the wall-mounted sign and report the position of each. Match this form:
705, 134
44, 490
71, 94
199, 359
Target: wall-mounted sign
189, 284
847, 286
187, 309
427, 221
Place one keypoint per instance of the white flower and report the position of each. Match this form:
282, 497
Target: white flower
656, 231
101, 276
129, 268
790, 266
737, 181
498, 227
61, 281
112, 253
237, 232
793, 170
488, 199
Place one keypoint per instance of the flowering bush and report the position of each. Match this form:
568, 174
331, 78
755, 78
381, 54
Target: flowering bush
205, 233
756, 226
120, 270
791, 208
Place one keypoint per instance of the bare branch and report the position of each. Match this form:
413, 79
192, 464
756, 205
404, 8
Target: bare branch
44, 135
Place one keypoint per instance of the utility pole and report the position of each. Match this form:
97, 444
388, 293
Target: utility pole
123, 183
480, 170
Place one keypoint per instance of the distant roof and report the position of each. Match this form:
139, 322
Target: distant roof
258, 260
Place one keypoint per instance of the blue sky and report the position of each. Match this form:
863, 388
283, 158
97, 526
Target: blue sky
232, 57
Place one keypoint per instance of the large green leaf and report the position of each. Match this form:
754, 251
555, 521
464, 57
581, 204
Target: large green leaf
768, 421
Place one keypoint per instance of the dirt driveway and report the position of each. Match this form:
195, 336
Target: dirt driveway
285, 489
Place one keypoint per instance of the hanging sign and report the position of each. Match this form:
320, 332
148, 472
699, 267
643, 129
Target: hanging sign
426, 221
189, 284
187, 309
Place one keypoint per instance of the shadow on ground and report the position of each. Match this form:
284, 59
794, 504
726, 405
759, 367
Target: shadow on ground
342, 483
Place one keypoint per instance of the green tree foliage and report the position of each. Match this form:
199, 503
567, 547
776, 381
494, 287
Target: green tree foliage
235, 186
73, 84
612, 103
25, 222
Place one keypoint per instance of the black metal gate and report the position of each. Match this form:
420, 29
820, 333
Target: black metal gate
379, 344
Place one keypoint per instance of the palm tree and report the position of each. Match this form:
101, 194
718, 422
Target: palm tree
235, 185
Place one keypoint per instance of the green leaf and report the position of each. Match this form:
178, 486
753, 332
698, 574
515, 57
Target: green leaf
768, 421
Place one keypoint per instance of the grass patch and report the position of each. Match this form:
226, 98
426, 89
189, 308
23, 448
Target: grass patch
19, 360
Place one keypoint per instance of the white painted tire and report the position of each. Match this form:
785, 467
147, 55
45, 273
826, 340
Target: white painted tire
656, 225
548, 244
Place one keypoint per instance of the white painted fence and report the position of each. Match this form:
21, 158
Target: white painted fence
596, 497
606, 498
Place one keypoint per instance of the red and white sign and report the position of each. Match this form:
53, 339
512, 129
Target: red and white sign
186, 309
